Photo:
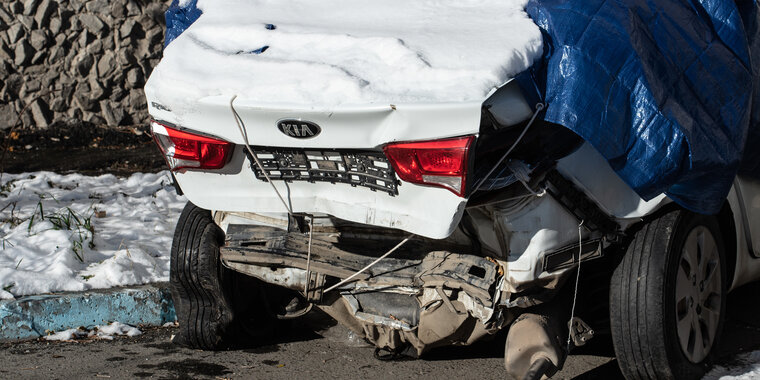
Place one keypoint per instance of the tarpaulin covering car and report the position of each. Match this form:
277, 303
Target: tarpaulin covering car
666, 91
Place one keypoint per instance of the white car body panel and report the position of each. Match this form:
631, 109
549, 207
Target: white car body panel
347, 127
745, 207
424, 210
541, 225
750, 193
591, 172
427, 211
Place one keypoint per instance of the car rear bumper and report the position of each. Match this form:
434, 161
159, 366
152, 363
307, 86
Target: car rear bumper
427, 211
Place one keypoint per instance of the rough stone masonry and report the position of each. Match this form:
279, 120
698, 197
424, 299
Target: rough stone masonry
77, 60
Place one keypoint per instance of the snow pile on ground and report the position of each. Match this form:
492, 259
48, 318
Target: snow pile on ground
98, 332
347, 52
74, 232
743, 367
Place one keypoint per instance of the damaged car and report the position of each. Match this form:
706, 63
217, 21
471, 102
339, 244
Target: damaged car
432, 173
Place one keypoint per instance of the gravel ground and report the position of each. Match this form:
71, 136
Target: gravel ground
327, 353
316, 348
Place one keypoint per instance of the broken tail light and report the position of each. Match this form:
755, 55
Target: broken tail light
441, 163
184, 150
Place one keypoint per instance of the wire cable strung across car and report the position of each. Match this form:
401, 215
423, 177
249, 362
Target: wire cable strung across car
351, 277
308, 259
575, 292
539, 107
244, 135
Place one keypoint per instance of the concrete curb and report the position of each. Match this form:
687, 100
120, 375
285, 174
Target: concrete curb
32, 316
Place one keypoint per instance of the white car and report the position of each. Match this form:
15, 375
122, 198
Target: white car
423, 222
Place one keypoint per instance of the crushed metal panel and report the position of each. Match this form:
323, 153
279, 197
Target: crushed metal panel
475, 275
389, 321
432, 298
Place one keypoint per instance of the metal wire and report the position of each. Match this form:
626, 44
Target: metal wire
351, 277
308, 260
244, 134
575, 293
539, 107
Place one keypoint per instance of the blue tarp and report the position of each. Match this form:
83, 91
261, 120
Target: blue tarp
662, 89
180, 17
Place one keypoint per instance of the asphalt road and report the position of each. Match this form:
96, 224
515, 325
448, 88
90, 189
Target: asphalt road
315, 348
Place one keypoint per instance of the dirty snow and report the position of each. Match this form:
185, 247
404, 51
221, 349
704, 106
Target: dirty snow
347, 52
743, 367
98, 332
74, 232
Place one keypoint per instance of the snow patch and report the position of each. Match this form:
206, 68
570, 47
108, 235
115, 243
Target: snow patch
743, 367
98, 332
346, 52
74, 232
117, 328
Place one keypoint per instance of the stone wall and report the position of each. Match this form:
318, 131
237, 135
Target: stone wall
77, 60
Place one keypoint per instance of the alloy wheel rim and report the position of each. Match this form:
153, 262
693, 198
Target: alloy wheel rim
698, 294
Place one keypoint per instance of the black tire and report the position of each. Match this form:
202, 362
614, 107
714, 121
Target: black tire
207, 296
643, 300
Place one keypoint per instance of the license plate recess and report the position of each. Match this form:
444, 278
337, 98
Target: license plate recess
369, 169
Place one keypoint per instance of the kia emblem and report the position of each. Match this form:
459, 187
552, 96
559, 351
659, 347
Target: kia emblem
299, 129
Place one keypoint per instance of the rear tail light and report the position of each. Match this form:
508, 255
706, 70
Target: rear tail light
440, 163
184, 150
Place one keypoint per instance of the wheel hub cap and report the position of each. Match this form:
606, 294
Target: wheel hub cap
698, 294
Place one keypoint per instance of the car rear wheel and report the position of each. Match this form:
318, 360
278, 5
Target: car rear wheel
667, 298
215, 307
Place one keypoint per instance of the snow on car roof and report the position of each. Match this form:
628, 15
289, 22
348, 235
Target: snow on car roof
348, 51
